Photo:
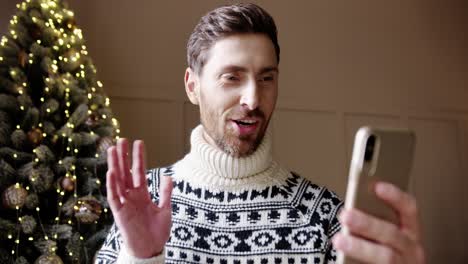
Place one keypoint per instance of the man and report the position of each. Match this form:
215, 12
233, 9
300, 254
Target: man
227, 200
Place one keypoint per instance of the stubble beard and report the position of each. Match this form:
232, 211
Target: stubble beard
227, 141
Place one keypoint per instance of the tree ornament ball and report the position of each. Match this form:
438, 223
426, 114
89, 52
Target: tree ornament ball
35, 136
48, 259
87, 209
92, 120
68, 184
14, 196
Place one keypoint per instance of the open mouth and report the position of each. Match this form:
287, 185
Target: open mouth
246, 126
245, 122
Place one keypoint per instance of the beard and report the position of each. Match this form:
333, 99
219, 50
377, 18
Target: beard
224, 135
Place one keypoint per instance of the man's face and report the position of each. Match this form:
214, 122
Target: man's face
237, 90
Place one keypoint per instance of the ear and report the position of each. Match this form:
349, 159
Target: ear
192, 85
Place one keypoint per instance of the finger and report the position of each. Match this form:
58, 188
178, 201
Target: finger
365, 251
113, 165
165, 192
404, 203
375, 229
112, 193
138, 164
122, 150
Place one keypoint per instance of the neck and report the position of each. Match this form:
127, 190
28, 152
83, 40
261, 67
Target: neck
207, 165
225, 165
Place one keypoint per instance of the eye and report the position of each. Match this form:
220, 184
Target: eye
267, 78
230, 77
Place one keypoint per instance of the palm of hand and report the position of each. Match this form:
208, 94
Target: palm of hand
144, 225
145, 221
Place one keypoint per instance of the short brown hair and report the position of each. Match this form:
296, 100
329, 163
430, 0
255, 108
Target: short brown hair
225, 21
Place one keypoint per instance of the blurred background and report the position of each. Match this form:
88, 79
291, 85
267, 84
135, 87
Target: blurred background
344, 64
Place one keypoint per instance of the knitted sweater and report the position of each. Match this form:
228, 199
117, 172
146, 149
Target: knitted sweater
238, 210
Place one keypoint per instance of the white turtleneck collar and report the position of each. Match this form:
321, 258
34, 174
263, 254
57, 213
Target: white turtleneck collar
208, 166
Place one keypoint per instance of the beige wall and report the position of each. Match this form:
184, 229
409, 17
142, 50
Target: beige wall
344, 64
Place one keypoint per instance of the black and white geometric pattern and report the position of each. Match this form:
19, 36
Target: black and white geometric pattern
289, 223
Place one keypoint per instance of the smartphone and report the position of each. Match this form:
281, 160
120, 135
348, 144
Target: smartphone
379, 154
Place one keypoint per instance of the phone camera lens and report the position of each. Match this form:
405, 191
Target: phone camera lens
369, 148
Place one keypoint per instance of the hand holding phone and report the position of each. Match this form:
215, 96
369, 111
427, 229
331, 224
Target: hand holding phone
386, 227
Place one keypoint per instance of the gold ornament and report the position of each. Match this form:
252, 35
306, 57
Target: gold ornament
14, 196
92, 120
48, 259
67, 183
87, 209
35, 136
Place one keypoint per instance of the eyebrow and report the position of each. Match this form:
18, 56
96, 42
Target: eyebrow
234, 68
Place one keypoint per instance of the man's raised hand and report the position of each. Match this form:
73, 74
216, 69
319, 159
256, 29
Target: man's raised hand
144, 225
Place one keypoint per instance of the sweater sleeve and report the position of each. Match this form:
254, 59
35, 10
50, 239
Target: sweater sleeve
126, 258
335, 227
113, 251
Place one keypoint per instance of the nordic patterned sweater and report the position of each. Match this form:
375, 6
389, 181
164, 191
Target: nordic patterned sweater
238, 210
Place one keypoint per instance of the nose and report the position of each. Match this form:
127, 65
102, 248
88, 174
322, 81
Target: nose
250, 96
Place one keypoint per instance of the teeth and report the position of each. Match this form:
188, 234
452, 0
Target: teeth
247, 121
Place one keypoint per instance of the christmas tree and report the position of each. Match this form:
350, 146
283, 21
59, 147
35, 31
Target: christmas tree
55, 127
